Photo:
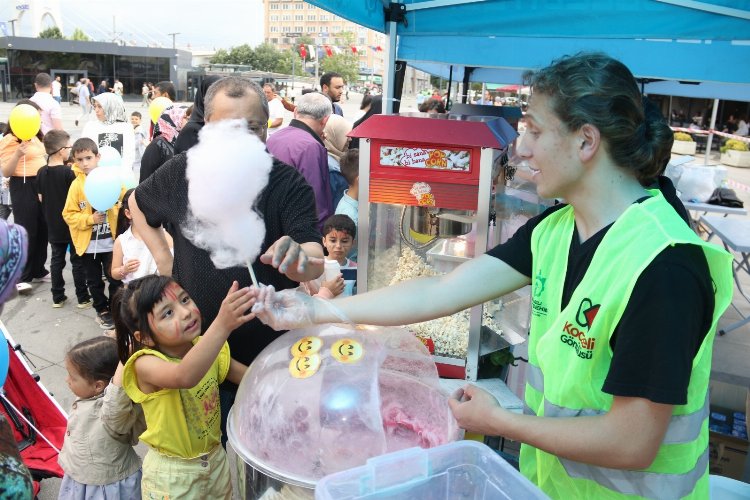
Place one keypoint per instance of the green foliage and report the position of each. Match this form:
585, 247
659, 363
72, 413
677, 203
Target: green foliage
265, 57
346, 63
284, 63
682, 136
52, 32
242, 54
734, 144
80, 36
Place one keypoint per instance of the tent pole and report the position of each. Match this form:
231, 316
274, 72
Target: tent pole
450, 84
711, 134
390, 66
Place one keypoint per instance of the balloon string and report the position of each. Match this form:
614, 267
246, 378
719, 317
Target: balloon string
24, 169
96, 241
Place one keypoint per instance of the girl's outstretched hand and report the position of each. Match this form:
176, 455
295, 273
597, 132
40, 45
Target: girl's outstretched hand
235, 308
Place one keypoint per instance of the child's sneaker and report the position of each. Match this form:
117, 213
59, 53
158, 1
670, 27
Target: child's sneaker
85, 305
47, 278
104, 319
23, 288
60, 303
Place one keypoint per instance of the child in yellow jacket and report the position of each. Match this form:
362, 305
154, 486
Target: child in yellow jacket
92, 231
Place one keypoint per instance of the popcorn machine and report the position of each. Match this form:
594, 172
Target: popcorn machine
426, 205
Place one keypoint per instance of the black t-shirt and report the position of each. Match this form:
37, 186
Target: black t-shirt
156, 154
53, 182
664, 322
287, 205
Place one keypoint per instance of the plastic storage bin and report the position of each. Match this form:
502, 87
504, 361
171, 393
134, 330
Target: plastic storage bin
464, 469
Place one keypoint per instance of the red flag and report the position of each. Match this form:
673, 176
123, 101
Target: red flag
354, 49
378, 49
329, 51
302, 51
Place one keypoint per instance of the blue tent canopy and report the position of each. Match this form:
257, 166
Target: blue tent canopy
675, 40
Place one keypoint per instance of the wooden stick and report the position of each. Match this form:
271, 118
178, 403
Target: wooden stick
252, 274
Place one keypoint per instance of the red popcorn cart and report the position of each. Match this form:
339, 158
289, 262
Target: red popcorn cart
426, 204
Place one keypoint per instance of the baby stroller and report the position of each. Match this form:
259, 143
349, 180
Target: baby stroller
37, 420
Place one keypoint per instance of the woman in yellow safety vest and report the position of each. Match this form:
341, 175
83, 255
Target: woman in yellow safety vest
625, 299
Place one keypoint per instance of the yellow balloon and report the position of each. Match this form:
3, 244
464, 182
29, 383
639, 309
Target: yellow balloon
157, 106
25, 121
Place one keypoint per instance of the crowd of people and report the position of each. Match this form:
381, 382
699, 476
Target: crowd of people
183, 331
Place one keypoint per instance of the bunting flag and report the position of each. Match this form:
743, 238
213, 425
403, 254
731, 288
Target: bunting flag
354, 49
329, 51
378, 48
302, 51
313, 53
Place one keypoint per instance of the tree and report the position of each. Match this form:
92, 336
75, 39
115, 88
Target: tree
265, 57
78, 34
242, 54
346, 63
284, 63
52, 32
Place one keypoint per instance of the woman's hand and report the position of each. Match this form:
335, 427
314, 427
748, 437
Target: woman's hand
284, 310
336, 285
235, 308
476, 410
22, 149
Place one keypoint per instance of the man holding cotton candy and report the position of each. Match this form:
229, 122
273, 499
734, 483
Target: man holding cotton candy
228, 201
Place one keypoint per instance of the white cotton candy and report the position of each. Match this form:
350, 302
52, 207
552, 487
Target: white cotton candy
226, 172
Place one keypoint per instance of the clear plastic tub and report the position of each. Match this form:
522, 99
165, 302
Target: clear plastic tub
464, 469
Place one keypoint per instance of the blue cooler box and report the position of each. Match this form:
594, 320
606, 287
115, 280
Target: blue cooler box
463, 469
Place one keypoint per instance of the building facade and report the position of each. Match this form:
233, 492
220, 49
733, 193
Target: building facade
283, 17
72, 60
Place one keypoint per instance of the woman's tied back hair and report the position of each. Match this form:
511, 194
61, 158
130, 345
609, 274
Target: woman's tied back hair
593, 88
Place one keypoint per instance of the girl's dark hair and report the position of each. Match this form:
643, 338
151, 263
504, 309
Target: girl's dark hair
123, 223
594, 88
131, 306
95, 359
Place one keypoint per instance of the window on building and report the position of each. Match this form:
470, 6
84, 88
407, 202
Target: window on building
361, 41
324, 17
274, 18
286, 29
274, 6
311, 29
299, 17
274, 29
336, 29
324, 29
286, 17
311, 17
273, 41
286, 6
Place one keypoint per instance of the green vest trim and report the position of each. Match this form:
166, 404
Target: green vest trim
571, 345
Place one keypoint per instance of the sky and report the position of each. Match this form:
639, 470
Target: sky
205, 24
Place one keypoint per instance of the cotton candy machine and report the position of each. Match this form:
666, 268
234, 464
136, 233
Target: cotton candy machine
325, 399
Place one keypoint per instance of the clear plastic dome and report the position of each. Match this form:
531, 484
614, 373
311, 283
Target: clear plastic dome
325, 399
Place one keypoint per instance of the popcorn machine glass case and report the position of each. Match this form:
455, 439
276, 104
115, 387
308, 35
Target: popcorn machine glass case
425, 205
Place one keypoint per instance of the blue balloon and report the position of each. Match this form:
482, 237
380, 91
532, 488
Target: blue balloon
102, 188
4, 361
109, 157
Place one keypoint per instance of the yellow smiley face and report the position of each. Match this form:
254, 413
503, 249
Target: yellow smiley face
306, 346
304, 366
347, 351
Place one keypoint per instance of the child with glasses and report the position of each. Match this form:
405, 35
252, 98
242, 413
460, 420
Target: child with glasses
53, 181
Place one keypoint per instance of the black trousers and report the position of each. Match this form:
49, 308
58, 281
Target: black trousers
95, 265
57, 264
27, 212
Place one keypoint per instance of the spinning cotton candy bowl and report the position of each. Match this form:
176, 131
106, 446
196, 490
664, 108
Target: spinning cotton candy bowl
325, 399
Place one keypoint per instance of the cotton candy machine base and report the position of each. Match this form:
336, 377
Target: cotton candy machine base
325, 399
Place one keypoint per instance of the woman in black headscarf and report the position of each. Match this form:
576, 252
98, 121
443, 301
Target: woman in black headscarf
188, 136
375, 108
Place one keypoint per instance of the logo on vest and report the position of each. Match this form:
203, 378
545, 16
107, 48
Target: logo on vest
537, 306
576, 337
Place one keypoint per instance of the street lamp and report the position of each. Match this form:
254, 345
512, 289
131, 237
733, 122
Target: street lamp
173, 35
